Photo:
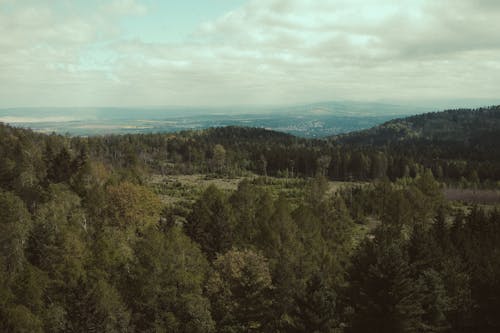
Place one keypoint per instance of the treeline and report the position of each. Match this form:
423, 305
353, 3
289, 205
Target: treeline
460, 125
459, 146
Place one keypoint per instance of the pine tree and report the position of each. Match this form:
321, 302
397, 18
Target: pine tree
240, 289
211, 222
316, 307
383, 294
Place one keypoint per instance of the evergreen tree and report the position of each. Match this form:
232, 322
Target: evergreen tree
164, 286
211, 222
384, 296
240, 289
316, 307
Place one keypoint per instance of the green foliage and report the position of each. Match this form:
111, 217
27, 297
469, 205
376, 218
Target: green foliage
384, 295
316, 189
96, 306
316, 309
15, 224
57, 244
240, 289
434, 301
251, 205
19, 319
211, 222
164, 286
132, 207
87, 246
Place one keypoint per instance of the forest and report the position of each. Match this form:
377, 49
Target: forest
89, 243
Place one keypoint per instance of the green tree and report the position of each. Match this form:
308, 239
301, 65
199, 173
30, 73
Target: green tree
60, 167
316, 190
337, 231
435, 302
96, 306
383, 294
132, 207
428, 196
323, 163
57, 245
15, 225
312, 241
164, 287
246, 206
219, 157
284, 249
239, 289
316, 307
211, 222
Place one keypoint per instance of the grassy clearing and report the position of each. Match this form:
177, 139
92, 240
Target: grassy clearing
172, 189
176, 188
361, 231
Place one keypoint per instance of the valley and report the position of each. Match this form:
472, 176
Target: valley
310, 120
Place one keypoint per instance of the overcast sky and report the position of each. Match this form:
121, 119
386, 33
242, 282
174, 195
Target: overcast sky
235, 52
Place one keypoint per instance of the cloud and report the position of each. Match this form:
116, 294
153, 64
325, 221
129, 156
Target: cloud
124, 7
265, 51
386, 29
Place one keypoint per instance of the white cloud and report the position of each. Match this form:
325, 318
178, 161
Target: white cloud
125, 7
266, 51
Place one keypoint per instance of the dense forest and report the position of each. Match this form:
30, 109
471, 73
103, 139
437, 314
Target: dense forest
88, 245
458, 146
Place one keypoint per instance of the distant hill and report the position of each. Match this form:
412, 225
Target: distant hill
456, 145
313, 120
472, 128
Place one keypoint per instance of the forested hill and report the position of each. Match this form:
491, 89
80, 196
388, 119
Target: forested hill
470, 127
232, 134
457, 145
91, 242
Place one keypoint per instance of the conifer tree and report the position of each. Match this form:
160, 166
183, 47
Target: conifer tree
211, 222
384, 296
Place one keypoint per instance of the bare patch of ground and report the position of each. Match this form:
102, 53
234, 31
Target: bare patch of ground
472, 196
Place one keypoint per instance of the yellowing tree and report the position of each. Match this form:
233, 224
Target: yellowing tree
219, 157
130, 205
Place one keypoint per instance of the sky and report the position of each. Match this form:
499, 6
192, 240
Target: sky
257, 52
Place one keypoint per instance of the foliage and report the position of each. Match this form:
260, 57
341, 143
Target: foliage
86, 245
239, 289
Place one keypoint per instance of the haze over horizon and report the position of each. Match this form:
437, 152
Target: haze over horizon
127, 53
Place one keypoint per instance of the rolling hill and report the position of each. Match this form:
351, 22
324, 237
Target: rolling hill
471, 127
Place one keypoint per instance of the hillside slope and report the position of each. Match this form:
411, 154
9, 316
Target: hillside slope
455, 145
467, 126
